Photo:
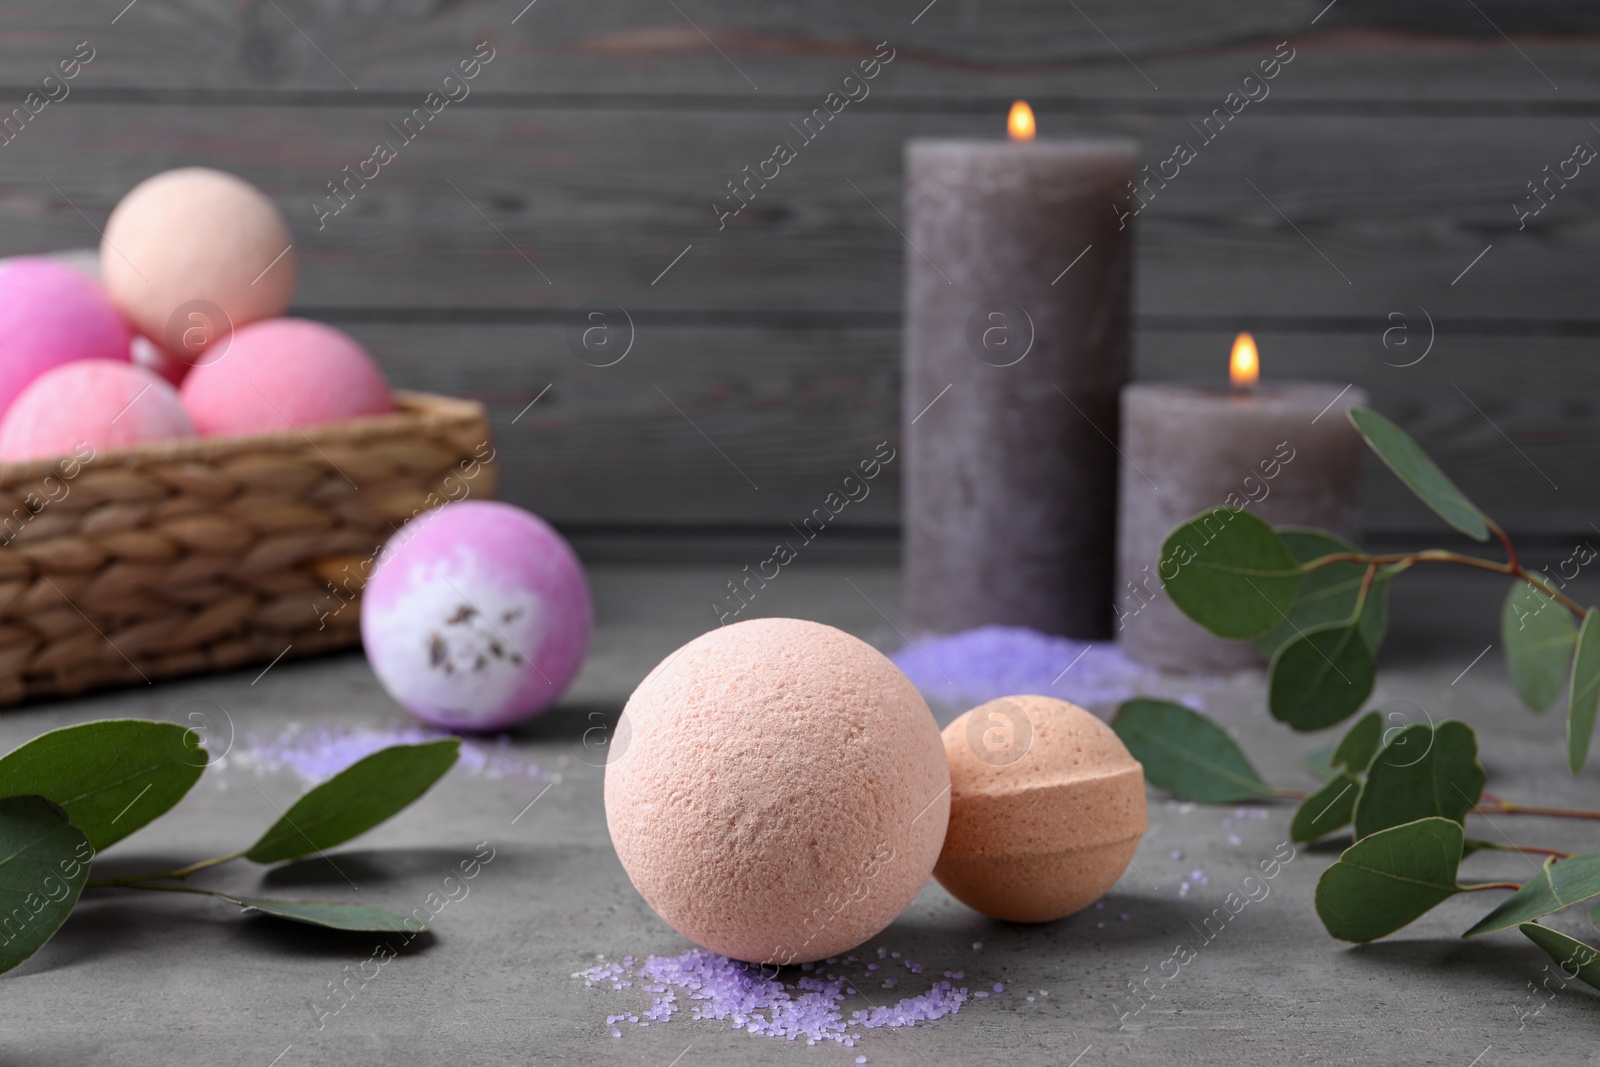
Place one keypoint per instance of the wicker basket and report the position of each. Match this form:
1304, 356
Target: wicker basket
208, 554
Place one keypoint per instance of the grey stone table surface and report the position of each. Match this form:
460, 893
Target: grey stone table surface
136, 979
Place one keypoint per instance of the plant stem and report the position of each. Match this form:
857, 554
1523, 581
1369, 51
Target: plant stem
180, 873
1490, 885
1438, 555
1527, 850
1505, 807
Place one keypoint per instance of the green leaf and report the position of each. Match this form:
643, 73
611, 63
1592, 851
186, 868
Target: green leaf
1539, 635
1328, 594
110, 777
1559, 883
1567, 952
357, 917
1186, 754
1320, 677
44, 861
355, 800
1583, 692
1320, 762
1231, 573
1390, 879
1420, 474
1360, 744
1423, 771
1328, 809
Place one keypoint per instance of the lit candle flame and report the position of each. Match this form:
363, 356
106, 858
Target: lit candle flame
1020, 125
1244, 366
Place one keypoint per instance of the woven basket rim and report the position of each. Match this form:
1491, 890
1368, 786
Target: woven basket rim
410, 409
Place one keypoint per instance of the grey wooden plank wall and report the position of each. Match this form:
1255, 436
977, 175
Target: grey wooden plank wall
1386, 160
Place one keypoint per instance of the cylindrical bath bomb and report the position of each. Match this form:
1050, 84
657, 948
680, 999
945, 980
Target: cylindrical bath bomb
777, 791
197, 242
51, 314
284, 373
477, 615
100, 403
1046, 809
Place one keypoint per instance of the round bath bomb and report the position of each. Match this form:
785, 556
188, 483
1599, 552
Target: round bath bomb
1046, 809
96, 402
284, 373
477, 615
196, 245
51, 314
153, 357
777, 791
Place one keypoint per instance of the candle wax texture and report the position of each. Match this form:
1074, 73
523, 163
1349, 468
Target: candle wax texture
1286, 452
777, 791
1013, 363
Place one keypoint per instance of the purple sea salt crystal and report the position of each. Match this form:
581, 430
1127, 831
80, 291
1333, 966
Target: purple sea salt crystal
996, 661
317, 753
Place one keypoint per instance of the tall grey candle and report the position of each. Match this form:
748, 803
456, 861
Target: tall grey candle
1016, 345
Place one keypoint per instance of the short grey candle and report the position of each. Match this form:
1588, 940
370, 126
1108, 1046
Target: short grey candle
1284, 450
1016, 346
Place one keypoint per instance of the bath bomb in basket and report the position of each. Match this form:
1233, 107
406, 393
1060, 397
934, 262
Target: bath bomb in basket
777, 791
1046, 809
477, 615
100, 403
51, 314
197, 246
281, 374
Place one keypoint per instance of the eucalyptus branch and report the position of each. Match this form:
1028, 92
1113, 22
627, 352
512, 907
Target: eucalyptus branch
180, 873
1441, 555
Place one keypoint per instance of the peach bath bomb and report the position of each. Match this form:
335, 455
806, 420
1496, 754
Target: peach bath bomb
281, 374
1046, 809
51, 314
96, 402
197, 246
777, 791
477, 616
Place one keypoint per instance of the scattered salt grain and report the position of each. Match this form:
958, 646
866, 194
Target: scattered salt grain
317, 753
1235, 839
996, 661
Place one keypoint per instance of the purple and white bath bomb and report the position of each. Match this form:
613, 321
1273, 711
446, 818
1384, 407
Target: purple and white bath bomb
477, 616
284, 373
51, 314
100, 403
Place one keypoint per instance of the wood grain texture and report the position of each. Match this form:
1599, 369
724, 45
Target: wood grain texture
538, 210
717, 49
794, 409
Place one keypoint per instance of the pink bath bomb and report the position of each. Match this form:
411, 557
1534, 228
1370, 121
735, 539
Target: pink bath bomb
190, 254
284, 373
100, 403
51, 314
777, 791
477, 616
156, 359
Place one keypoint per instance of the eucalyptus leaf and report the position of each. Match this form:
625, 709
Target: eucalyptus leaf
1539, 636
1390, 879
1560, 883
110, 777
1328, 809
1583, 692
1567, 952
335, 916
1231, 573
1186, 754
1420, 474
1320, 677
44, 861
1360, 743
355, 800
1320, 762
1423, 771
1329, 593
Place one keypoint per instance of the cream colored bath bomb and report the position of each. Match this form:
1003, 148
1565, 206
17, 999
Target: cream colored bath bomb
186, 244
1046, 809
777, 791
